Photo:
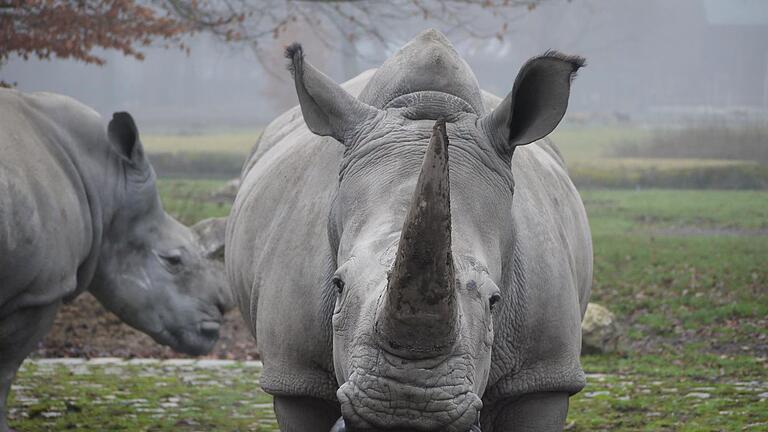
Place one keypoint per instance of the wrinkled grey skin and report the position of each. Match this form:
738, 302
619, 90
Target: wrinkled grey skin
320, 233
79, 210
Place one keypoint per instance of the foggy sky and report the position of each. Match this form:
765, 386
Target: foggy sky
642, 56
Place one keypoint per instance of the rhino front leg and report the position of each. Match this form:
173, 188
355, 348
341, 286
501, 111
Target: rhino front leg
537, 412
302, 414
20, 333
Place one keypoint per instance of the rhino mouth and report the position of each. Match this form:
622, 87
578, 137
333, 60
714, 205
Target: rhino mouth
193, 339
197, 340
410, 397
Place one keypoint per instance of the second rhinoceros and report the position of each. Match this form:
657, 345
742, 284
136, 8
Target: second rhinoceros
79, 210
431, 272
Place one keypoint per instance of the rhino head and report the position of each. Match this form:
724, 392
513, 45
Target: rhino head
421, 227
156, 274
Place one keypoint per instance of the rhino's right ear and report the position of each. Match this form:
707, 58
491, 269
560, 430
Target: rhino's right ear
327, 108
124, 136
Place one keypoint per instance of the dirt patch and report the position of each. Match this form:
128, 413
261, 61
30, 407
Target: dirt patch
84, 328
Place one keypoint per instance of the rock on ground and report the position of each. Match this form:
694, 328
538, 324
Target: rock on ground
211, 232
601, 333
227, 193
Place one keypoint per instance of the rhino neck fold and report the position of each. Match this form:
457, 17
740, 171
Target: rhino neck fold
418, 315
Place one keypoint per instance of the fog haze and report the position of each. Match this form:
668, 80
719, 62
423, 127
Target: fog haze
645, 59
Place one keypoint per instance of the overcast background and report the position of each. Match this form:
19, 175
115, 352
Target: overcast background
647, 60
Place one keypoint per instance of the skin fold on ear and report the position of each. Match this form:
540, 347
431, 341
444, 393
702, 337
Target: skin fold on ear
327, 108
535, 105
124, 136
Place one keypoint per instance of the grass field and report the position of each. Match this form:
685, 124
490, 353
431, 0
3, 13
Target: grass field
238, 142
598, 157
592, 155
686, 271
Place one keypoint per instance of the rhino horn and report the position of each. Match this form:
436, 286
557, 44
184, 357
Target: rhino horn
419, 314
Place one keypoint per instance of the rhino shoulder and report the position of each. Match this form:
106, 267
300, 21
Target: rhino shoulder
20, 224
20, 236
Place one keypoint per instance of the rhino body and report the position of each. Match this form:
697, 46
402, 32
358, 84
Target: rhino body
79, 210
319, 236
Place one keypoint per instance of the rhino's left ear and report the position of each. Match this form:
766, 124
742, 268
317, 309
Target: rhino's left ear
124, 136
535, 105
327, 108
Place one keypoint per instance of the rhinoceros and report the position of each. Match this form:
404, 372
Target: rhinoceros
79, 210
428, 273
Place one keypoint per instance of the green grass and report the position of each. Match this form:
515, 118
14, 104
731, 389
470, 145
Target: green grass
590, 152
652, 395
695, 308
150, 397
594, 160
579, 144
652, 402
239, 143
209, 155
612, 209
665, 281
191, 201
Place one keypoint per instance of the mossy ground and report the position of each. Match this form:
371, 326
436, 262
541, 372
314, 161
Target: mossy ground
163, 396
144, 396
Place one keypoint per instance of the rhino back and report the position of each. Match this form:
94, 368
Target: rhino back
44, 234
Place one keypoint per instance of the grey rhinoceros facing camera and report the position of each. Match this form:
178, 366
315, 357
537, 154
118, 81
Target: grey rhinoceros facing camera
428, 274
79, 210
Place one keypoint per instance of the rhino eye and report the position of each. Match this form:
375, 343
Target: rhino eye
495, 298
338, 283
171, 259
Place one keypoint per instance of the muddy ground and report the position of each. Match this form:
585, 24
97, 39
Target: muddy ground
84, 328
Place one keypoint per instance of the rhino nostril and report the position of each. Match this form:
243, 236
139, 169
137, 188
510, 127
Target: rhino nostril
210, 327
222, 308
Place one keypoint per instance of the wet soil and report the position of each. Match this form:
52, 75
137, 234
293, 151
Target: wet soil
84, 328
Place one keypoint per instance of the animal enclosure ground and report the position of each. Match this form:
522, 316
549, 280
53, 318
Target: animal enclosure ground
188, 395
140, 395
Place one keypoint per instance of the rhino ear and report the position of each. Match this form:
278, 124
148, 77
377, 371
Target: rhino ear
535, 105
327, 108
124, 136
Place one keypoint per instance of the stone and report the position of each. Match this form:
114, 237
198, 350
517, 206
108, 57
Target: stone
227, 193
601, 333
211, 232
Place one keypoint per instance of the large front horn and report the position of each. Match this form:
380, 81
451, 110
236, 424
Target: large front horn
419, 312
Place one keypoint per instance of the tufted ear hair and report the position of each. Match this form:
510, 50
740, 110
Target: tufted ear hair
327, 108
535, 105
124, 137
